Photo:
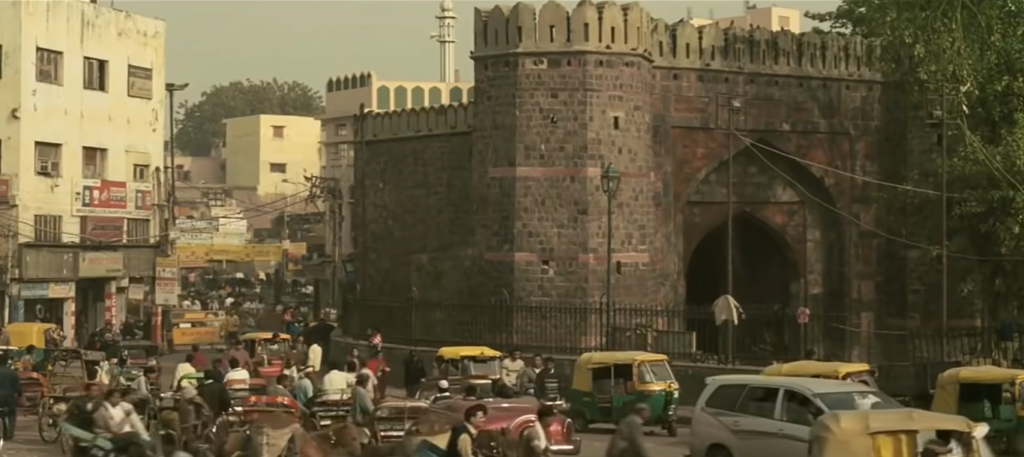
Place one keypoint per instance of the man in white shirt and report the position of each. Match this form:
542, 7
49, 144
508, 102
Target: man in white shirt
512, 367
184, 368
237, 373
313, 356
338, 384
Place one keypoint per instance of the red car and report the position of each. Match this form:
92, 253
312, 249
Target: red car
507, 421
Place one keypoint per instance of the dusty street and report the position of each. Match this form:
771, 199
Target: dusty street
27, 443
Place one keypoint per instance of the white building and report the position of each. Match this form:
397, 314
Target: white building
82, 129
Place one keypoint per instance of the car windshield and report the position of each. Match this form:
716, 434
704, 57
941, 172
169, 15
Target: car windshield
480, 367
656, 372
852, 401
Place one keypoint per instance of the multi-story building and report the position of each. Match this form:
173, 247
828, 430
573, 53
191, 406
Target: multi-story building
82, 133
271, 153
770, 18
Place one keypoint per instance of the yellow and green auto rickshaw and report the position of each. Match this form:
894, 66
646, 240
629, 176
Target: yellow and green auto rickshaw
606, 386
23, 334
892, 433
842, 371
983, 394
465, 365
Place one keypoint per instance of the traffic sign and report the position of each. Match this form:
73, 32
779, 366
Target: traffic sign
803, 315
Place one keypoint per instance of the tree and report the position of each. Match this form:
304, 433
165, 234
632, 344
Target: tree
200, 125
973, 46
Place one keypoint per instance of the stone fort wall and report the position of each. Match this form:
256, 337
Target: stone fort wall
508, 187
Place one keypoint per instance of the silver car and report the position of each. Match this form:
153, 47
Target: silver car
756, 416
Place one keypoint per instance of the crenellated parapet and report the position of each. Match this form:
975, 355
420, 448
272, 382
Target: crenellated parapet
629, 28
420, 121
349, 82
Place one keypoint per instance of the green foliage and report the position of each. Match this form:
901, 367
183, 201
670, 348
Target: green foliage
973, 48
200, 124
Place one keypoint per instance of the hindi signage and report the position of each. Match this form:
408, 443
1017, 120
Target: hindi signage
100, 264
103, 228
167, 282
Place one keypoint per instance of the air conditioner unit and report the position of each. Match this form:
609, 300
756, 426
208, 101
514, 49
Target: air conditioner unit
47, 167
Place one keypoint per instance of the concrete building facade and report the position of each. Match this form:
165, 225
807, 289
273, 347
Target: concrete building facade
271, 153
81, 95
501, 198
771, 18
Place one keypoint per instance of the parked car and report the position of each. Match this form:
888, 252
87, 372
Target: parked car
754, 416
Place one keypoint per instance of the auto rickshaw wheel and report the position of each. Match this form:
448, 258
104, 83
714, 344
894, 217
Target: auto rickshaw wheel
717, 450
49, 428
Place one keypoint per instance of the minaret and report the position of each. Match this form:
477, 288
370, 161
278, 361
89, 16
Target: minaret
446, 37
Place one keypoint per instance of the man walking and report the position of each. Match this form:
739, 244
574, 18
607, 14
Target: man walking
10, 390
628, 438
415, 374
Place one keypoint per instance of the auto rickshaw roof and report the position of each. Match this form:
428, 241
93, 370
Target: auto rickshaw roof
265, 336
979, 375
29, 326
602, 359
808, 368
458, 352
848, 433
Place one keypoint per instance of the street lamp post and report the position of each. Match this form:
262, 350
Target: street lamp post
171, 88
609, 186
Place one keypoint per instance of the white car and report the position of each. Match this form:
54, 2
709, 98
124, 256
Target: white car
758, 416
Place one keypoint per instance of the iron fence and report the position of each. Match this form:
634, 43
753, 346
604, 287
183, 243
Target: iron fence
766, 333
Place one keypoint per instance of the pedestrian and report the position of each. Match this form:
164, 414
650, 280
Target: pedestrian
198, 358
238, 374
536, 440
219, 370
415, 374
304, 386
314, 356
463, 436
443, 392
376, 339
353, 355
527, 383
238, 352
214, 394
10, 391
232, 325
183, 369
548, 385
362, 406
511, 367
379, 369
627, 441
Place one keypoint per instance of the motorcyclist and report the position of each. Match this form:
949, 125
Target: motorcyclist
117, 421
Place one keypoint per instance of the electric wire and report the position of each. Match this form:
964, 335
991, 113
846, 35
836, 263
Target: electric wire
227, 216
755, 146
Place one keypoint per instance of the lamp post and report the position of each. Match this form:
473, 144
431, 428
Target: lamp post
171, 88
609, 186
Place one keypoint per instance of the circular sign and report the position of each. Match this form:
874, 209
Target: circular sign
803, 315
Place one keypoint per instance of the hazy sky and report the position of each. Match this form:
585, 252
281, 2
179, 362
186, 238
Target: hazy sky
211, 42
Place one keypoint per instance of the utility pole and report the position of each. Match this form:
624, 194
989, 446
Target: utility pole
734, 108
940, 116
171, 88
329, 190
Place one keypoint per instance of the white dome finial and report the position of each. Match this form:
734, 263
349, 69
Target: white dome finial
447, 6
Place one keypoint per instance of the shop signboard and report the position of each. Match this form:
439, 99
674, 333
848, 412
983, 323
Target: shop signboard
235, 239
195, 238
101, 197
44, 290
100, 264
232, 225
167, 281
103, 228
186, 225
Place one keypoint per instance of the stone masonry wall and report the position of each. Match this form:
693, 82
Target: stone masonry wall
413, 214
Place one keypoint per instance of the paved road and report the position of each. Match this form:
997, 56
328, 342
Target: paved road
27, 443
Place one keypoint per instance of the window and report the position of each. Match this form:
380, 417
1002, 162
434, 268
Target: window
48, 228
784, 22
849, 401
615, 122
279, 168
48, 159
94, 163
278, 131
341, 130
140, 173
95, 74
140, 82
725, 397
798, 409
138, 231
179, 173
49, 66
344, 153
759, 402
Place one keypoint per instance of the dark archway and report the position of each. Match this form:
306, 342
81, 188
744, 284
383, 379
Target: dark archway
766, 282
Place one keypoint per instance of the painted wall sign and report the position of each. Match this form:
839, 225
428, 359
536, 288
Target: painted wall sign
103, 228
100, 264
166, 282
101, 197
45, 290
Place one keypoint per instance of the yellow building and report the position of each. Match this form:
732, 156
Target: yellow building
82, 103
271, 153
771, 18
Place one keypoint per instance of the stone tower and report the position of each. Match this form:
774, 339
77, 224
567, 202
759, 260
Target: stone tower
559, 94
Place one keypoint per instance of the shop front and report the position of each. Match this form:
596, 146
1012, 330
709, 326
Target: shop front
43, 302
96, 297
44, 287
136, 297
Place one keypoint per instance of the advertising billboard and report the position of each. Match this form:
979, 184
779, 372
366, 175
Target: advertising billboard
101, 197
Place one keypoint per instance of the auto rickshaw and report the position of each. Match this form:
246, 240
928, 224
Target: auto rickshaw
137, 355
983, 394
842, 371
606, 385
464, 365
890, 433
267, 356
23, 334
